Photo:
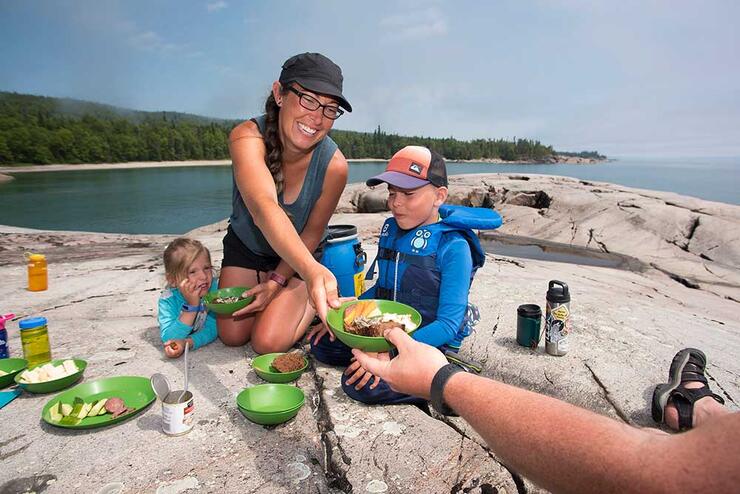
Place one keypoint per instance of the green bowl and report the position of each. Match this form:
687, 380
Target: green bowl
12, 366
227, 309
335, 319
270, 404
262, 365
56, 384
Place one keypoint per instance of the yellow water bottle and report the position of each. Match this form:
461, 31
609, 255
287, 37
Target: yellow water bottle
35, 340
37, 275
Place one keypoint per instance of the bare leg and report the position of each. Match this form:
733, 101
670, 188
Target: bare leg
236, 331
284, 320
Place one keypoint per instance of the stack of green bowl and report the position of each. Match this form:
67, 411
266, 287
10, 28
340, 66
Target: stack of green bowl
270, 404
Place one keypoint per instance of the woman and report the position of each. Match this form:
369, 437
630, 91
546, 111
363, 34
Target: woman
288, 177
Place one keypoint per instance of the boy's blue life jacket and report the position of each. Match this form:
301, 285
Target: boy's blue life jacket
407, 259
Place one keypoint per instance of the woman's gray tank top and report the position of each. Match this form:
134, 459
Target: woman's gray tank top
298, 211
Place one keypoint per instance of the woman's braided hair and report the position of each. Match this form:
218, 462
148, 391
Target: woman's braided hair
271, 136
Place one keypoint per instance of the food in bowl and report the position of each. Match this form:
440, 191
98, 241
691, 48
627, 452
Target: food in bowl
48, 372
227, 300
288, 362
365, 319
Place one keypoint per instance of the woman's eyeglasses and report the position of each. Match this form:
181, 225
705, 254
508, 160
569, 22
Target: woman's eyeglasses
310, 103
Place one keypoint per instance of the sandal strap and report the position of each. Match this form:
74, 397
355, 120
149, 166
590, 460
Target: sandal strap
684, 399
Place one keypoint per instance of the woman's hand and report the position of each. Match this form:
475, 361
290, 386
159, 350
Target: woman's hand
322, 290
263, 295
189, 291
362, 376
174, 348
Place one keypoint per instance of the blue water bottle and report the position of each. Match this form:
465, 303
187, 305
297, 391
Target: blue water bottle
4, 350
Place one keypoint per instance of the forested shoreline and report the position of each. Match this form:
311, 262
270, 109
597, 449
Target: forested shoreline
43, 130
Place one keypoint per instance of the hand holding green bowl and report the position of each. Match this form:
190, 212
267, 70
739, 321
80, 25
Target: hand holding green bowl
335, 319
226, 309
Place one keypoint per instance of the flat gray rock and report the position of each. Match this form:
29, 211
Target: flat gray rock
627, 325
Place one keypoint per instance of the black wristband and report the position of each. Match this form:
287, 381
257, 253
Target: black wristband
438, 386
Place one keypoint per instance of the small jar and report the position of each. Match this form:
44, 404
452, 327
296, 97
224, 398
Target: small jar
37, 274
35, 340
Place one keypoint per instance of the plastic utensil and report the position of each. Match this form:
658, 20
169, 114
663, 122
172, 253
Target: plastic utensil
161, 385
8, 396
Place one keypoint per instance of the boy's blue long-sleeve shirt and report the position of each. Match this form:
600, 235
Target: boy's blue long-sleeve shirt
456, 265
170, 304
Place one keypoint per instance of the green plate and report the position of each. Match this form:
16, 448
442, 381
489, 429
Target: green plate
12, 366
135, 391
335, 319
56, 384
227, 309
270, 404
262, 365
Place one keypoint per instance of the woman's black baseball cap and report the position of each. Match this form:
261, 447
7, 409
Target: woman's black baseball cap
316, 73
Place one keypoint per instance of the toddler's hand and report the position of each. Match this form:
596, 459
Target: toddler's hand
174, 348
189, 290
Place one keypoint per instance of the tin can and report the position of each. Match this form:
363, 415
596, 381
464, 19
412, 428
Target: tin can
35, 340
4, 349
177, 413
557, 315
38, 279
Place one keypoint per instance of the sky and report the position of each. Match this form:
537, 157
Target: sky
626, 78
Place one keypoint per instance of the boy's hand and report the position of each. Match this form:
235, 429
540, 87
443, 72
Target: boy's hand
175, 348
189, 291
318, 331
363, 376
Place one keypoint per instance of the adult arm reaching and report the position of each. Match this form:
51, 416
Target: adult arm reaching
562, 447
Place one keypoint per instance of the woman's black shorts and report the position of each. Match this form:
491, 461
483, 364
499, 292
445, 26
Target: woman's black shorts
237, 254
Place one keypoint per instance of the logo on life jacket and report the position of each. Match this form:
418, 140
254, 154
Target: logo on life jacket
419, 241
416, 168
384, 233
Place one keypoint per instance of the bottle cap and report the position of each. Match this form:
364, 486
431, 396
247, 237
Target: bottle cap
36, 257
31, 322
4, 318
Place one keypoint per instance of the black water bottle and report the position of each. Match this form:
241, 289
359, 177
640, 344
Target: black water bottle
557, 315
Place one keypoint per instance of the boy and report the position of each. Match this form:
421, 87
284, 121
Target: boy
427, 256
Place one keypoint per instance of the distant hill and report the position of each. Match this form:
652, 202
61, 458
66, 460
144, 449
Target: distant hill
40, 130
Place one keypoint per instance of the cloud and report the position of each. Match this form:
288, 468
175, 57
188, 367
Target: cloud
415, 25
216, 6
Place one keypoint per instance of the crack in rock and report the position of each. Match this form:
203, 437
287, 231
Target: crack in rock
677, 278
335, 469
607, 395
591, 237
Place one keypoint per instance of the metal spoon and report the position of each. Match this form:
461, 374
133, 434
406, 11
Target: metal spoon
161, 386
187, 372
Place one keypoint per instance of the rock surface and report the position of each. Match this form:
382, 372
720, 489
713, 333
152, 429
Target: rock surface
101, 306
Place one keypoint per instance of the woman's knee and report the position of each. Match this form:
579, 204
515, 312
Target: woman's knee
231, 334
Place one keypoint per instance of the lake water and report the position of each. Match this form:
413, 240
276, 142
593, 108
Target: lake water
178, 199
